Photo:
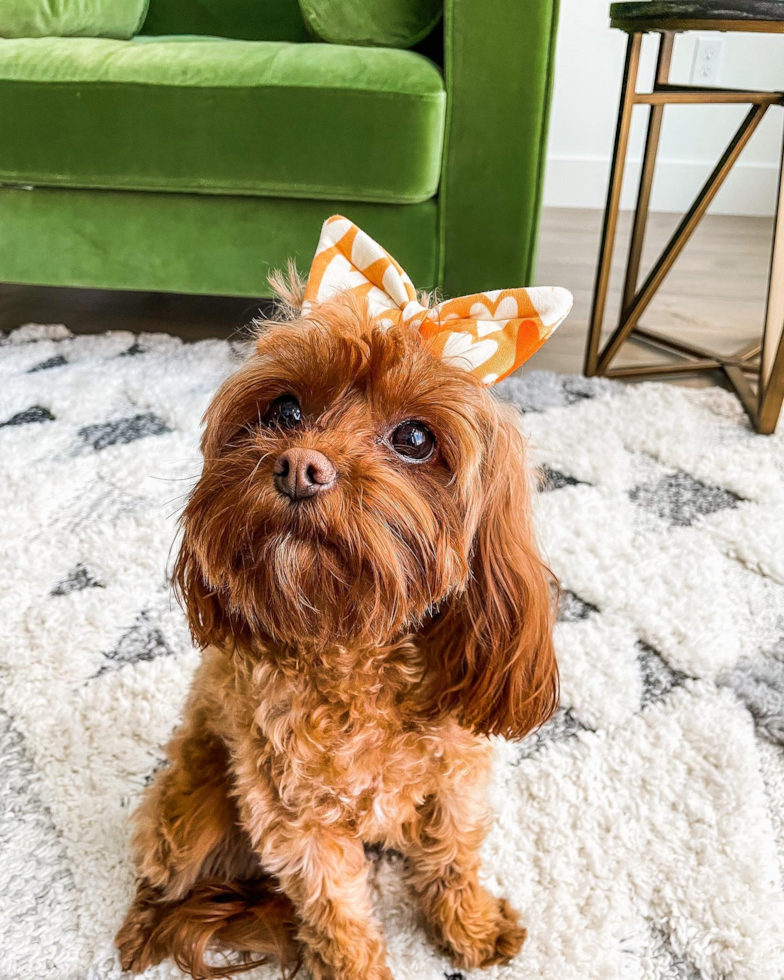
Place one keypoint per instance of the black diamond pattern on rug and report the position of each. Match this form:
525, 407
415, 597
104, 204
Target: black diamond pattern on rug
143, 641
680, 500
571, 608
672, 965
577, 388
36, 413
80, 577
561, 726
539, 391
35, 888
658, 678
57, 361
162, 763
550, 479
759, 683
132, 351
119, 432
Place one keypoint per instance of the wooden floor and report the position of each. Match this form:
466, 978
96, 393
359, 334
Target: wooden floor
715, 295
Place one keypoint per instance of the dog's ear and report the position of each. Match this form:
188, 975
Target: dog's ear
207, 620
492, 647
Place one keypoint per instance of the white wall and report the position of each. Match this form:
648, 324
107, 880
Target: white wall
589, 62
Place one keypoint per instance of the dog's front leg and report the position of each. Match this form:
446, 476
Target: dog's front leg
442, 845
322, 868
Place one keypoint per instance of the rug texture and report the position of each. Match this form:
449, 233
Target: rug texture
640, 833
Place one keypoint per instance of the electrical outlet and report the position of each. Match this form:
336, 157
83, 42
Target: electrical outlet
708, 59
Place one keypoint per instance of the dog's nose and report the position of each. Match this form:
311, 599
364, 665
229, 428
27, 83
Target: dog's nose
301, 473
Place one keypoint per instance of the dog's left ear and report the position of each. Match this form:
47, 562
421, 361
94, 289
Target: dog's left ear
492, 647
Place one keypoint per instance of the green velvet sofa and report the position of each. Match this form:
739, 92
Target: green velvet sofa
205, 151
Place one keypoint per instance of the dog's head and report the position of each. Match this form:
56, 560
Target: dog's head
356, 489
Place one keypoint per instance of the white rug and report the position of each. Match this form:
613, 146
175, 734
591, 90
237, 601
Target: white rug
641, 834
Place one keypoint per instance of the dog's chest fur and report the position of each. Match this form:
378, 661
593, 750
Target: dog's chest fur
346, 737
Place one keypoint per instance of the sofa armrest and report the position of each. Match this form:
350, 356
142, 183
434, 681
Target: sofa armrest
499, 58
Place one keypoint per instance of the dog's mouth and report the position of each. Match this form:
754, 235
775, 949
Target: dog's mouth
321, 601
304, 555
308, 581
343, 564
306, 525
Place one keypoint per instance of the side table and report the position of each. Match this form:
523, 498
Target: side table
756, 372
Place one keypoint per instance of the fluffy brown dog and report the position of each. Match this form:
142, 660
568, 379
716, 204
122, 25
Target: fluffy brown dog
358, 563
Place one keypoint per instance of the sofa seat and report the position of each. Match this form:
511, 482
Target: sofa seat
216, 116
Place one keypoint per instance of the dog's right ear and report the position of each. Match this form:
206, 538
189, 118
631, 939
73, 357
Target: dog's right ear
208, 622
199, 574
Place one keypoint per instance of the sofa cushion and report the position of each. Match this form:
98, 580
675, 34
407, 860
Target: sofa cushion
188, 243
389, 23
221, 117
248, 20
71, 18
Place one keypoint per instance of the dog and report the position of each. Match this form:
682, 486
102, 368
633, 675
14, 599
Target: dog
359, 566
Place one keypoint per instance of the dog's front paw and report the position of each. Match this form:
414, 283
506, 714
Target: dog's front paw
481, 933
507, 937
345, 968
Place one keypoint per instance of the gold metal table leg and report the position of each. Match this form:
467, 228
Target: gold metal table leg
771, 378
610, 226
653, 135
683, 233
763, 405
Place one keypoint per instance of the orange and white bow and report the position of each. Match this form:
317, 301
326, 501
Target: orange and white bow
488, 334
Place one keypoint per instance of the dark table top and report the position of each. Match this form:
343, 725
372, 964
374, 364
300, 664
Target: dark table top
717, 15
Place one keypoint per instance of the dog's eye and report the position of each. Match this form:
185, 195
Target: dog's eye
413, 441
285, 412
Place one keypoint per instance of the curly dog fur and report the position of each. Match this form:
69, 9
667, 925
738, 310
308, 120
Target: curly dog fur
359, 644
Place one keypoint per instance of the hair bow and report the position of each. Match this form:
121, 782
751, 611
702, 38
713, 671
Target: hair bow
488, 334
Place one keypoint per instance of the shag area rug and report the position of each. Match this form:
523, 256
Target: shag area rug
640, 833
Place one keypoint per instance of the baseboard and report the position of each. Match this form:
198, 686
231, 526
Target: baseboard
581, 182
